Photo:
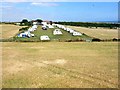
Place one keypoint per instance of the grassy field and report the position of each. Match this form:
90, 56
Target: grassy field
8, 30
60, 65
49, 32
98, 33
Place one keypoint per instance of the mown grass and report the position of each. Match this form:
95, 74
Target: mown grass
60, 65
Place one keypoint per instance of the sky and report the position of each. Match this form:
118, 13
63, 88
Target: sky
59, 11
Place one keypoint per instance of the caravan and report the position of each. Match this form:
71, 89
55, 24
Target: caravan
50, 26
44, 27
57, 32
44, 23
71, 31
75, 33
44, 38
68, 29
26, 34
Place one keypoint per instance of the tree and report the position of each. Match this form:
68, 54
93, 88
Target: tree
39, 20
24, 21
51, 22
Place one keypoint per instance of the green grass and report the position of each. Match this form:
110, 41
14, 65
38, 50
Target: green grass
49, 32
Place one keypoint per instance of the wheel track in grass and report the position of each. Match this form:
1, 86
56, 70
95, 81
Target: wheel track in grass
72, 74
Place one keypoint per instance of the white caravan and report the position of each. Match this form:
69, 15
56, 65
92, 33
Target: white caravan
57, 32
71, 31
75, 33
50, 26
44, 23
44, 38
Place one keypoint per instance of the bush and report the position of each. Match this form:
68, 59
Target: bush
118, 39
24, 29
114, 39
96, 40
7, 40
68, 40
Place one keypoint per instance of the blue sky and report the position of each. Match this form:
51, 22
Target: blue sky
60, 11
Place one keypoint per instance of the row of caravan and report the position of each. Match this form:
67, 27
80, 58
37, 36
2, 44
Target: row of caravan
58, 31
33, 28
45, 25
28, 32
73, 32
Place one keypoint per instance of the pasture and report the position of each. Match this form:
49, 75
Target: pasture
98, 33
60, 65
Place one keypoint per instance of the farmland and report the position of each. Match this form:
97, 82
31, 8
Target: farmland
98, 33
8, 30
60, 65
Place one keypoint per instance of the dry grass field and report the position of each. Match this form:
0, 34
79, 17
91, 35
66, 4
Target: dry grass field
98, 33
60, 64
8, 30
0, 65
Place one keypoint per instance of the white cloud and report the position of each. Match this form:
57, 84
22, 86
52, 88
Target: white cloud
44, 4
60, 0
15, 1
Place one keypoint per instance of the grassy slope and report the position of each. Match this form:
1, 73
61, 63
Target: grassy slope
60, 64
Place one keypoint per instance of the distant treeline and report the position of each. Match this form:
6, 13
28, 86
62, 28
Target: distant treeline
7, 23
90, 24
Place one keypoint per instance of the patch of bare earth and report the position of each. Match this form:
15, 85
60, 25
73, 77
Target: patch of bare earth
57, 61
